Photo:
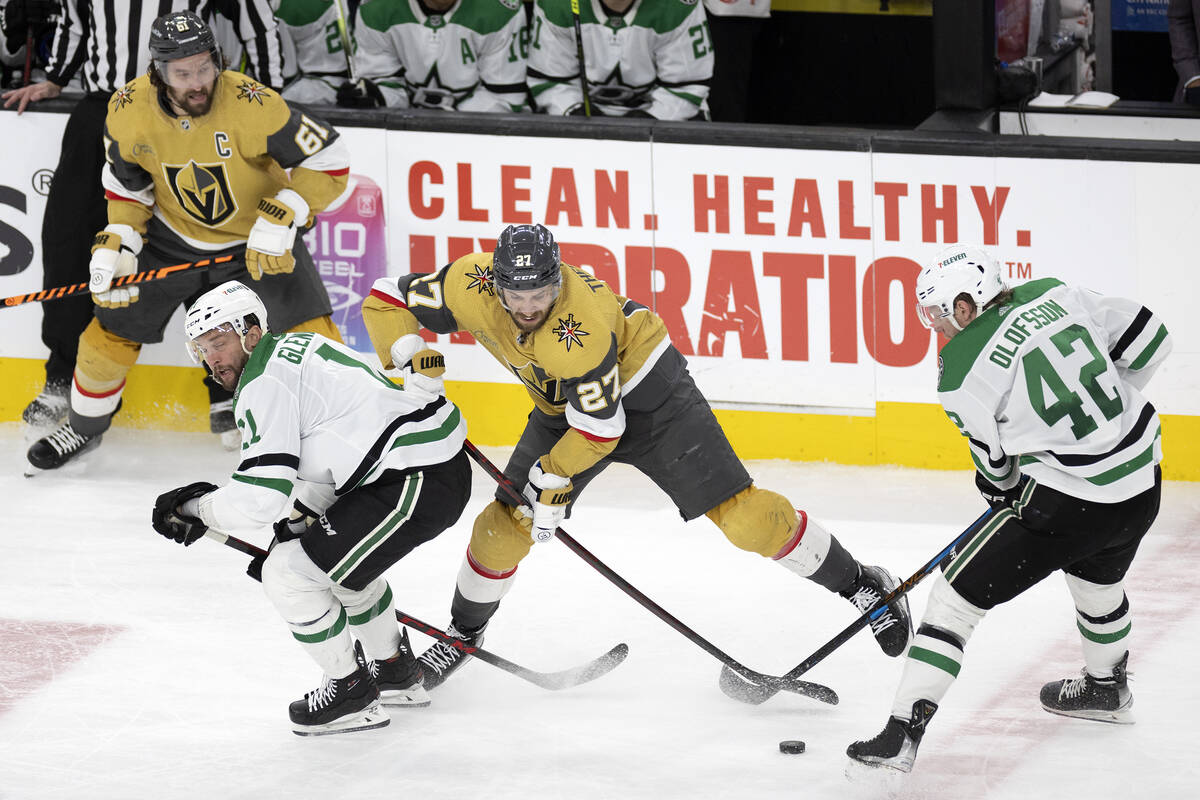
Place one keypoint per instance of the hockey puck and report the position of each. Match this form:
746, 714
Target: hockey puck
791, 746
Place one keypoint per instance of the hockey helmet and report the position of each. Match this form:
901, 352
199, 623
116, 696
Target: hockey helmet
231, 306
958, 269
181, 34
526, 257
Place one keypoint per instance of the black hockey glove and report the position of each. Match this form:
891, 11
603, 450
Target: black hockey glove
996, 497
172, 523
363, 94
285, 529
20, 16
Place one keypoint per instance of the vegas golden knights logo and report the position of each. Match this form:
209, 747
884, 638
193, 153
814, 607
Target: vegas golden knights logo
202, 191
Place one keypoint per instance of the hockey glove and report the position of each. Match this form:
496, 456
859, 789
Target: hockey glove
114, 255
420, 366
548, 496
996, 497
286, 529
269, 246
171, 522
363, 94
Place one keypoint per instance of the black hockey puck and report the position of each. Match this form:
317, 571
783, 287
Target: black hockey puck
791, 746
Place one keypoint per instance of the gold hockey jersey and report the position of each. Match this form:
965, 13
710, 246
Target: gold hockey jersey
203, 176
589, 360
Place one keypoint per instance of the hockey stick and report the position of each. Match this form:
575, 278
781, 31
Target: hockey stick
564, 679
347, 45
756, 694
583, 84
808, 689
125, 280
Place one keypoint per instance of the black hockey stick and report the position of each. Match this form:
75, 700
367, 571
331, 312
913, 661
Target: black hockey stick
583, 84
755, 693
808, 689
60, 292
564, 679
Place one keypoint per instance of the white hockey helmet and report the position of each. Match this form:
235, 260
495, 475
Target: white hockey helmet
232, 305
958, 269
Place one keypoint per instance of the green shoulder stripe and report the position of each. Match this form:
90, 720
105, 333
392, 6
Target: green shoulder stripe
258, 361
383, 14
486, 16
663, 16
960, 353
558, 12
302, 12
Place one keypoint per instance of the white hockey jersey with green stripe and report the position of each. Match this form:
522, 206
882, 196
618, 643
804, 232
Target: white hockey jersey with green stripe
317, 420
1048, 385
471, 58
314, 60
656, 58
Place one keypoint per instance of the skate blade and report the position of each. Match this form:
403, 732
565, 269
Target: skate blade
365, 720
881, 780
1118, 717
415, 697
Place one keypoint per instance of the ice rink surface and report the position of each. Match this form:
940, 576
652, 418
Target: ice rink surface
131, 667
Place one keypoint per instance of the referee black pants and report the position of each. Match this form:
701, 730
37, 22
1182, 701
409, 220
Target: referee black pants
75, 212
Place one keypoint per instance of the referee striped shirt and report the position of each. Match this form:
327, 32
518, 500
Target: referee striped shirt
107, 41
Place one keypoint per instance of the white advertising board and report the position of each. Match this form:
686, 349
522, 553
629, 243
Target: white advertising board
784, 275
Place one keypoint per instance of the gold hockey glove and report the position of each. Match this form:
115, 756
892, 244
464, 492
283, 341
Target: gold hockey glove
269, 246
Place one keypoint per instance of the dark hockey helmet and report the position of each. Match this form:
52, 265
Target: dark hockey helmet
181, 34
526, 257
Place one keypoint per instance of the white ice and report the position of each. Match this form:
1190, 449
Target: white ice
131, 667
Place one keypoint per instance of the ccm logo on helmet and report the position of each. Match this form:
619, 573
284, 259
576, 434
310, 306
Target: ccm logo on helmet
524, 278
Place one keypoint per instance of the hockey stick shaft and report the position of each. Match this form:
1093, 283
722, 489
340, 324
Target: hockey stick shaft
125, 280
583, 82
347, 44
881, 606
814, 690
547, 680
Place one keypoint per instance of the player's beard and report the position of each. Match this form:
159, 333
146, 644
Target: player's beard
195, 103
529, 326
228, 375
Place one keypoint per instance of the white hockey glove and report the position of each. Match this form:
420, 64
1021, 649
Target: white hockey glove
421, 367
548, 496
269, 246
114, 255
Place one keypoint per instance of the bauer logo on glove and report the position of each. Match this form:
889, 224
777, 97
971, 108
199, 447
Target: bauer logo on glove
269, 246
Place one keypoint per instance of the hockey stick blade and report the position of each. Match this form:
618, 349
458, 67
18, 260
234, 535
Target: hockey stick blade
763, 690
565, 679
755, 688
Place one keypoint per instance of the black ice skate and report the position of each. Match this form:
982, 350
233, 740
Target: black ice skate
399, 678
1085, 697
340, 705
892, 628
896, 746
61, 446
222, 423
442, 659
49, 409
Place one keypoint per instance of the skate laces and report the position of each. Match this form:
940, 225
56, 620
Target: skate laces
441, 656
322, 696
65, 439
864, 599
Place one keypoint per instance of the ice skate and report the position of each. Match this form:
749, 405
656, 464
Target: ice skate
1085, 697
442, 658
892, 628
